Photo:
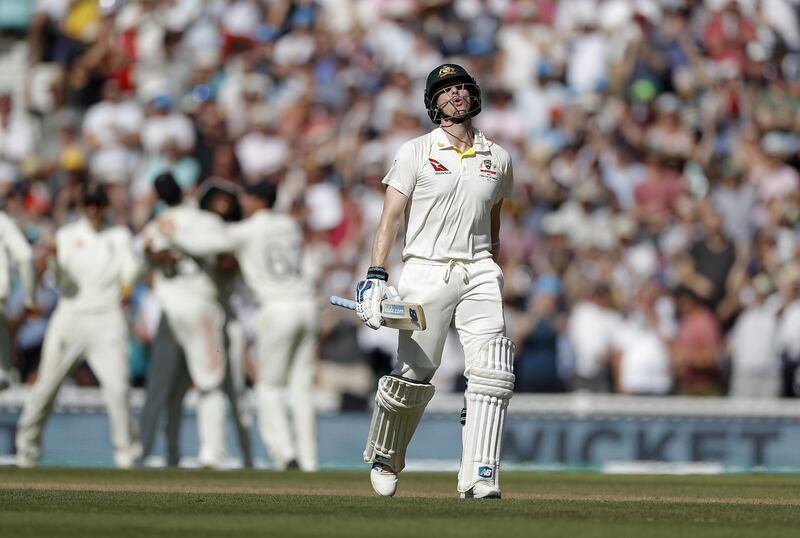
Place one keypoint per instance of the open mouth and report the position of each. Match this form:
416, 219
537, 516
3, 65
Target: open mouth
458, 104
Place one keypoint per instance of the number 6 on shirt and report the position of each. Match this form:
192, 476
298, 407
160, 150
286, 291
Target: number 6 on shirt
395, 314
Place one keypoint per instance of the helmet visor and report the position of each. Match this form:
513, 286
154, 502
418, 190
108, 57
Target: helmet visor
458, 105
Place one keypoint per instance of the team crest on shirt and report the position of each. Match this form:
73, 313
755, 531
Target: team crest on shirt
438, 167
487, 170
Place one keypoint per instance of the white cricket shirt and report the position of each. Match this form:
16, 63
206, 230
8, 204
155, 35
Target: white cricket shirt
269, 247
94, 267
190, 277
753, 342
450, 195
645, 365
14, 245
590, 330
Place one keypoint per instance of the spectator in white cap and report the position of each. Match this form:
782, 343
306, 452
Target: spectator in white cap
164, 123
261, 151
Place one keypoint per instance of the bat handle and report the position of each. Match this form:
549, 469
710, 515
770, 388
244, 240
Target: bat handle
341, 301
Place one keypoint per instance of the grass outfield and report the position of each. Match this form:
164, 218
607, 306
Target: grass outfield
50, 502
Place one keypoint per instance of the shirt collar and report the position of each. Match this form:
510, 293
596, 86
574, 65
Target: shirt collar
481, 144
84, 222
440, 141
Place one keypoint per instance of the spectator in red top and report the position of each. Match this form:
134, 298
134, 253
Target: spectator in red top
655, 196
696, 352
727, 33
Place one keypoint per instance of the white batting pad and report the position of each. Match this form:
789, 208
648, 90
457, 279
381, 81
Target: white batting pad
399, 404
490, 387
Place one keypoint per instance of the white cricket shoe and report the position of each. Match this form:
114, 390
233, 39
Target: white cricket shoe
384, 480
25, 461
128, 458
482, 490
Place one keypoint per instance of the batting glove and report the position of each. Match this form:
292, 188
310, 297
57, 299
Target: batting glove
369, 294
390, 293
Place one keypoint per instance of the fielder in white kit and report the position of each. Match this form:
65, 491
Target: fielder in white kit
94, 266
269, 247
189, 297
448, 186
13, 245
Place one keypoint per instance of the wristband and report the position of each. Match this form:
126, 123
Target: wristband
377, 272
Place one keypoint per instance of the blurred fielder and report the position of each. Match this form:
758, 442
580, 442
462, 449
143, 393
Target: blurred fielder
189, 298
448, 187
269, 247
168, 377
13, 245
94, 266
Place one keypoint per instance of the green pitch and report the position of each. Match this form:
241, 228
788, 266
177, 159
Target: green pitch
89, 502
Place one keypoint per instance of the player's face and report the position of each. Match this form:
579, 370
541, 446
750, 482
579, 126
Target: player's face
250, 204
221, 204
454, 101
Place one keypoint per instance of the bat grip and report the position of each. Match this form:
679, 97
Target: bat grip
341, 301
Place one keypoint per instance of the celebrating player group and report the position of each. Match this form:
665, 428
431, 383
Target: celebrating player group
97, 265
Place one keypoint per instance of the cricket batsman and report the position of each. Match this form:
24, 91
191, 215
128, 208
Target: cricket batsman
448, 188
94, 266
13, 245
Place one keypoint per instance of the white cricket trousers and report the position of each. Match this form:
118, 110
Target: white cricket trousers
468, 292
102, 337
287, 346
198, 324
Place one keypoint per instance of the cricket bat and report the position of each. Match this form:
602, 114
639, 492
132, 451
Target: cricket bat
396, 314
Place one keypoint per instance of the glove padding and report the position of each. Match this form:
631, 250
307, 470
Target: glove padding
369, 294
391, 294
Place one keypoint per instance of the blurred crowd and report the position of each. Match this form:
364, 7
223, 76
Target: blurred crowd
652, 242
